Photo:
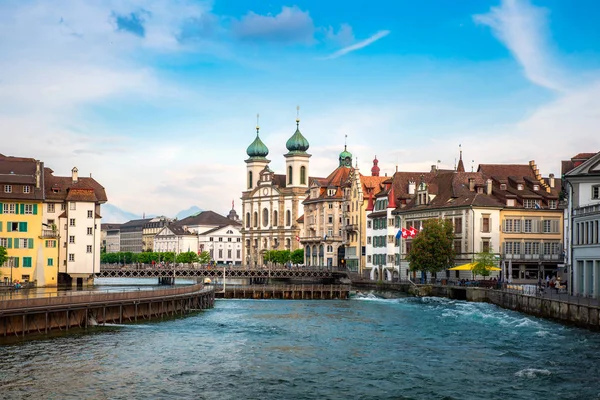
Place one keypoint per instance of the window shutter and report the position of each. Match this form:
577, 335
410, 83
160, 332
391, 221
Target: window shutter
22, 208
16, 208
1, 208
555, 226
0, 226
8, 227
22, 226
30, 242
10, 243
490, 227
16, 243
480, 224
504, 226
35, 206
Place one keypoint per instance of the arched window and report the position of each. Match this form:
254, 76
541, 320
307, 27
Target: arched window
265, 217
289, 175
247, 220
288, 243
275, 219
255, 222
249, 179
288, 218
303, 175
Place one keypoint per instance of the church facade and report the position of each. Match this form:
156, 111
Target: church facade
272, 203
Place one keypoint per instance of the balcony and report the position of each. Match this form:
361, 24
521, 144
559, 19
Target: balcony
351, 228
534, 257
48, 234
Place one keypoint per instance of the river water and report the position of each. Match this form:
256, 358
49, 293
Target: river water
363, 348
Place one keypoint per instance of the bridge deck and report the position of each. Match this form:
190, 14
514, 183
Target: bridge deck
229, 272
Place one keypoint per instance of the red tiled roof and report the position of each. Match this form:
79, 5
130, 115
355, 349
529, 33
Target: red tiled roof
583, 156
85, 189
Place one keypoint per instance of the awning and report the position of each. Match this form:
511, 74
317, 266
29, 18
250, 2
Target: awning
470, 266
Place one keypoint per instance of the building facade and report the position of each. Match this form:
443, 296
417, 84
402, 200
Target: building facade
583, 216
150, 229
176, 239
272, 203
324, 236
111, 238
131, 237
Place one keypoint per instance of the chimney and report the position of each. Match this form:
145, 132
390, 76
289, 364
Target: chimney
38, 174
412, 186
74, 175
471, 184
489, 186
433, 168
551, 181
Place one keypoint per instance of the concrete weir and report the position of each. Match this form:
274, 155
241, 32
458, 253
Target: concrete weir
285, 292
40, 315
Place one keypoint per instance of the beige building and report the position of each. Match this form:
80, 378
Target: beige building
323, 236
271, 203
151, 229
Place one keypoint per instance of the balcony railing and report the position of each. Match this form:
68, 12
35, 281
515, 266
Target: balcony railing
48, 234
351, 228
533, 257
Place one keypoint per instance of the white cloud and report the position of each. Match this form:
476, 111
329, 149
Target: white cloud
291, 25
522, 28
359, 45
343, 37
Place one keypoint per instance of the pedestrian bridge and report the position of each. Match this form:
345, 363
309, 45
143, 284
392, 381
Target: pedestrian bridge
185, 271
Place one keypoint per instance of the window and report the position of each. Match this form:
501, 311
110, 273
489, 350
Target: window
51, 243
72, 222
4, 243
368, 259
265, 217
210, 239
220, 253
552, 204
275, 220
88, 248
255, 221
90, 214
28, 209
330, 218
229, 253
536, 187
527, 226
303, 175
503, 186
247, 220
596, 192
238, 254
457, 247
369, 224
26, 189
50, 207
71, 257
458, 225
8, 208
485, 224
510, 202
7, 188
238, 240
290, 175
368, 239
288, 218
72, 205
229, 239
90, 231
520, 186
51, 262
220, 239
249, 179
530, 203
16, 226
71, 239
62, 207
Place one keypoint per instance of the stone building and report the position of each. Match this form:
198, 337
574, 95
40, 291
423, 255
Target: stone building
272, 203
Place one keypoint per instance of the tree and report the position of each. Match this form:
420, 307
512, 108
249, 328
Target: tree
204, 257
297, 256
187, 258
3, 255
484, 260
433, 248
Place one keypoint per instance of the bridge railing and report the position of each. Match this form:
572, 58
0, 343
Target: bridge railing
194, 266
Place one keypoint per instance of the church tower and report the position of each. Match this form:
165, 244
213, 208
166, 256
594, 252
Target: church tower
296, 160
256, 162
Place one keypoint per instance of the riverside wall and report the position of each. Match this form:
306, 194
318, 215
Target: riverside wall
40, 315
565, 311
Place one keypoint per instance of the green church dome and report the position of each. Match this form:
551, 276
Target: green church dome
257, 148
345, 158
297, 143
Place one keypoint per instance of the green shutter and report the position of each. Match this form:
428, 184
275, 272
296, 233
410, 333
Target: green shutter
8, 227
50, 262
16, 243
22, 208
10, 243
22, 226
16, 208
26, 261
35, 209
1, 208
16, 265
30, 242
0, 226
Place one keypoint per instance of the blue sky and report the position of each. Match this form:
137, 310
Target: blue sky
158, 99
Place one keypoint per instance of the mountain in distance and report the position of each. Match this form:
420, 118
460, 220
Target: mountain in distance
113, 214
186, 213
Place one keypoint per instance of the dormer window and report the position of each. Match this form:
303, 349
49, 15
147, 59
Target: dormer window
536, 187
330, 192
503, 186
7, 188
26, 189
520, 186
480, 190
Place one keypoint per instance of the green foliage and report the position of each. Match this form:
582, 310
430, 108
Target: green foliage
297, 256
484, 261
433, 248
278, 257
204, 257
187, 258
128, 257
3, 255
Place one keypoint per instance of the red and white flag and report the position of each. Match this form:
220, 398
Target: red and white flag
413, 231
405, 233
297, 238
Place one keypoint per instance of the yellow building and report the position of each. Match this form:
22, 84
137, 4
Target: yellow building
531, 230
31, 248
356, 198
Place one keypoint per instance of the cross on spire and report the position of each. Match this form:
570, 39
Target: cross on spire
257, 123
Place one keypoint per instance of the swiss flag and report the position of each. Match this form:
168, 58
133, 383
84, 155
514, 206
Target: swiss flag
413, 231
297, 238
405, 233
